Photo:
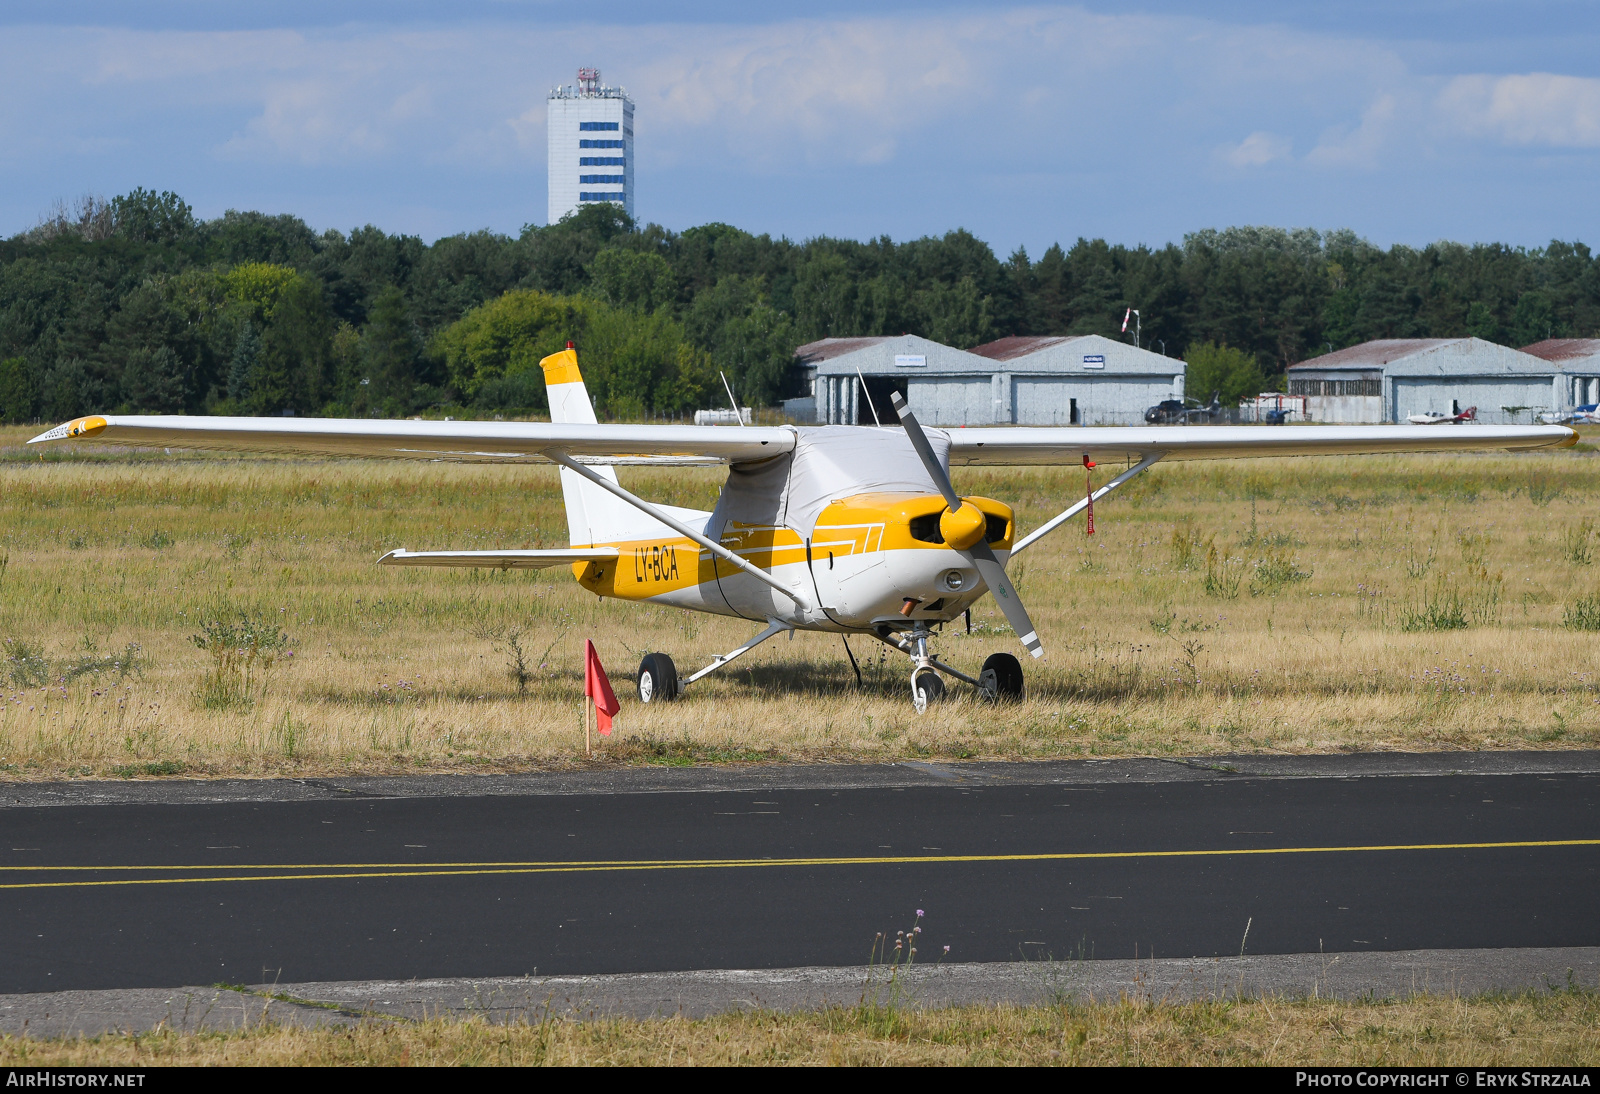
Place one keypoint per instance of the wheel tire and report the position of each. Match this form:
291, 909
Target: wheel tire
1001, 677
926, 688
658, 679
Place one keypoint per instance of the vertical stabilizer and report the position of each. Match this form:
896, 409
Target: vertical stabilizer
593, 516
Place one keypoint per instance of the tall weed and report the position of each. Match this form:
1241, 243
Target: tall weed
1224, 575
1274, 571
1448, 605
26, 664
1582, 614
1185, 538
1577, 542
243, 655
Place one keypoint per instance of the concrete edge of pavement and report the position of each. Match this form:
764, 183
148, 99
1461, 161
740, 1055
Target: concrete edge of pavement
756, 777
696, 994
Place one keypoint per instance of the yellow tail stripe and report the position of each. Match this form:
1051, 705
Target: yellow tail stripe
561, 368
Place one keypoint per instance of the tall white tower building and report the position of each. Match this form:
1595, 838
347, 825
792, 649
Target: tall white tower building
591, 145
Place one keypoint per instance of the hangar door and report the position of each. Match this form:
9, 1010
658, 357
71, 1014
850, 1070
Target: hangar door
1099, 401
952, 401
1489, 394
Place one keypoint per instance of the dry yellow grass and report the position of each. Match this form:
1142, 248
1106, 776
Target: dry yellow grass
392, 669
1532, 1029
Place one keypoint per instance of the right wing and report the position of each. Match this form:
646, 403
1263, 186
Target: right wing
1066, 445
499, 560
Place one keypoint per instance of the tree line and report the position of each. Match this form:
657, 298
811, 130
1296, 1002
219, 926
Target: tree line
136, 305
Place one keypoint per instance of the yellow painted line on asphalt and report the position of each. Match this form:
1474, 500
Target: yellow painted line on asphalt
349, 871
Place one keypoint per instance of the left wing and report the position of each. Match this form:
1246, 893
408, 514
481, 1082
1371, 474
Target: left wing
1068, 445
499, 560
480, 442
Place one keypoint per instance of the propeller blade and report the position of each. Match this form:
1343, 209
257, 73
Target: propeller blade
919, 441
989, 568
994, 575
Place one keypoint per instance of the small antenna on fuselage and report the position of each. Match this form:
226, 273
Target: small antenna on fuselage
875, 419
738, 417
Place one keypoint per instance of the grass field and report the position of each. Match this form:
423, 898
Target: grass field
1420, 602
1530, 1029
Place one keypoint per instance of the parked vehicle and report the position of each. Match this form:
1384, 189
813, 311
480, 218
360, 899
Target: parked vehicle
1178, 412
1166, 412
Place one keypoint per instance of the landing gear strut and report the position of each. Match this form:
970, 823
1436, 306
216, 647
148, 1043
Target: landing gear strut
1000, 679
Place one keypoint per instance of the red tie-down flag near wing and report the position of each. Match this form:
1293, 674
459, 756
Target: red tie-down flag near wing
597, 686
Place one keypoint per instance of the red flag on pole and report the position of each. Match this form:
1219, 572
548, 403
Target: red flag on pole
597, 686
1088, 486
1125, 317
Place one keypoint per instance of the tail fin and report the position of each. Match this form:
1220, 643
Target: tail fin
593, 516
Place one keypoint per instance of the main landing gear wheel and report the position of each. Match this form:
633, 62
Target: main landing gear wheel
926, 687
1001, 678
658, 679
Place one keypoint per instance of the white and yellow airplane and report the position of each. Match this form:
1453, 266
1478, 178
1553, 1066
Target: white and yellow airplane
846, 529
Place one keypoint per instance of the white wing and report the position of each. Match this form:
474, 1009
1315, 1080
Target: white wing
498, 442
1222, 442
481, 442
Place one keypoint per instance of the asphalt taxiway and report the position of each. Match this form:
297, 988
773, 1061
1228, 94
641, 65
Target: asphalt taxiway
130, 885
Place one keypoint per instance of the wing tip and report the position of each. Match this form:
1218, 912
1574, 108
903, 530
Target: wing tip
76, 430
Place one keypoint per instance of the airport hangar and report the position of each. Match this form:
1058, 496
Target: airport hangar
1579, 359
1389, 379
1052, 380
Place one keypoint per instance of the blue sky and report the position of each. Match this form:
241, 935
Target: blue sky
1475, 120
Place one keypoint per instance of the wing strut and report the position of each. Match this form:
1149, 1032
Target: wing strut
1078, 506
676, 525
774, 627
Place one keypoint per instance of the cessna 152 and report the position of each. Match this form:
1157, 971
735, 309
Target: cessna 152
852, 530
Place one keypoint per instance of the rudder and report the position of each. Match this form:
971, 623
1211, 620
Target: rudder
593, 515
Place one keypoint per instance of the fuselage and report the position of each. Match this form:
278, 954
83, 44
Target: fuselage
870, 559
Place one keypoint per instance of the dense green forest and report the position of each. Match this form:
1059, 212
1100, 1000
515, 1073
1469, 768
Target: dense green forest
134, 304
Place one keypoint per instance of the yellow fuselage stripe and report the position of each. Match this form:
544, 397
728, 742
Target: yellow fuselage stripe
356, 871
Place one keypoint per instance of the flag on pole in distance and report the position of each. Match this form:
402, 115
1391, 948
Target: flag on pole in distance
1125, 317
597, 687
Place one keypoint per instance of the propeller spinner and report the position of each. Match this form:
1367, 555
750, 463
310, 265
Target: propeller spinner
962, 526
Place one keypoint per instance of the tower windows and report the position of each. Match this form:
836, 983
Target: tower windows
599, 127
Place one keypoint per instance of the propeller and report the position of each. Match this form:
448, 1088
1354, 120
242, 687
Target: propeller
963, 527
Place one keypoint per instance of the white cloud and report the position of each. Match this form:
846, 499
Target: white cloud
1006, 111
1539, 108
825, 93
1359, 146
1257, 150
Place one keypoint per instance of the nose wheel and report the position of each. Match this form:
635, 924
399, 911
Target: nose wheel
999, 680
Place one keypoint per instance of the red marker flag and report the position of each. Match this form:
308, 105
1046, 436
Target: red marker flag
597, 687
1125, 317
1088, 486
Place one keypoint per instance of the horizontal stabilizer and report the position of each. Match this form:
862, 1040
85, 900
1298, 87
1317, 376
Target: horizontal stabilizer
499, 560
